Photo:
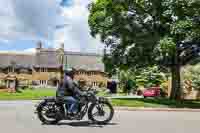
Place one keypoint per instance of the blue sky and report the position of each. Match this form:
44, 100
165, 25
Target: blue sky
24, 22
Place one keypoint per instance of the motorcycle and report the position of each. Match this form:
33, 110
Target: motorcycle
99, 110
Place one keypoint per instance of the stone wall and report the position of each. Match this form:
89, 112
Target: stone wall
95, 79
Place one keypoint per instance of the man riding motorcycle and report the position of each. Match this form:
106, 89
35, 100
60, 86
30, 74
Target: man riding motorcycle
73, 104
69, 91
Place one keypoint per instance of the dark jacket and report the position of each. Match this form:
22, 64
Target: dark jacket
68, 88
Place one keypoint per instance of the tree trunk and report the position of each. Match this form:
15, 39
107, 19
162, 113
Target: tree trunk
176, 83
176, 77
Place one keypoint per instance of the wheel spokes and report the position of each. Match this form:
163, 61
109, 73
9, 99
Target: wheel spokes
45, 110
101, 113
95, 114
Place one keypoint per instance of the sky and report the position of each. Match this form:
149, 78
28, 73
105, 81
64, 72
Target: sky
25, 22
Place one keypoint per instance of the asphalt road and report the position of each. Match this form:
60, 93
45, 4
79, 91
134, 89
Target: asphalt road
18, 117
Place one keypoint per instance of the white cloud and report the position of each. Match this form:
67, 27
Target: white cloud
77, 34
16, 52
11, 24
37, 19
30, 50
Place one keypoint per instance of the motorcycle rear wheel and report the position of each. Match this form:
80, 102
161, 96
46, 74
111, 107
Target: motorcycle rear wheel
43, 118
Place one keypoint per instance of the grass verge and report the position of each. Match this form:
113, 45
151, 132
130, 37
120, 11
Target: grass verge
27, 94
156, 103
37, 94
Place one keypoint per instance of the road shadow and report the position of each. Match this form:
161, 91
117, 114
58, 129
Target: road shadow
84, 124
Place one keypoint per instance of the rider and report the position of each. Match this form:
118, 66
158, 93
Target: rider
69, 91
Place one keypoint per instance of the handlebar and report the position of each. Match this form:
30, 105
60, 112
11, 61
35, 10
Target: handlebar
90, 90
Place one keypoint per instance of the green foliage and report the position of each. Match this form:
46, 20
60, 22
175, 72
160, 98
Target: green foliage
167, 47
147, 77
134, 28
142, 33
192, 73
152, 76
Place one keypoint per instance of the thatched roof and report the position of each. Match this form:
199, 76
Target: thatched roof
48, 58
88, 62
19, 60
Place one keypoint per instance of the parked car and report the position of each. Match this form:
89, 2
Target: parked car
153, 92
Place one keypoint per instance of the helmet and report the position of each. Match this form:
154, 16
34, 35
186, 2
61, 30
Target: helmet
69, 72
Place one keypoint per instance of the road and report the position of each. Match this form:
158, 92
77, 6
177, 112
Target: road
18, 117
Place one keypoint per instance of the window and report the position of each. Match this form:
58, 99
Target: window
43, 82
92, 73
11, 69
94, 83
26, 71
88, 73
35, 82
43, 69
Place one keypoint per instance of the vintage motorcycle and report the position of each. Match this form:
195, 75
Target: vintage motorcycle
99, 110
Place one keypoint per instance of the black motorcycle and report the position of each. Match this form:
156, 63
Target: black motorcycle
99, 109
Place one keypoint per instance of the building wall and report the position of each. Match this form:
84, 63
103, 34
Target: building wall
42, 78
52, 58
37, 76
94, 78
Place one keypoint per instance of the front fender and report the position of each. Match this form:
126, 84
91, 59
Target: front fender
103, 99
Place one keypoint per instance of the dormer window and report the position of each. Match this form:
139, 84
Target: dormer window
11, 70
25, 71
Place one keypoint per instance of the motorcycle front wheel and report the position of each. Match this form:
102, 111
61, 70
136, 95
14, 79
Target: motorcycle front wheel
101, 113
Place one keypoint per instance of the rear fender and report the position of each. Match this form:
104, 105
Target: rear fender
39, 105
44, 102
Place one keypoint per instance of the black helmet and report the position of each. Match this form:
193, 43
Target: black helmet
69, 72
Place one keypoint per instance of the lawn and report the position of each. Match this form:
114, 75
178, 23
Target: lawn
37, 94
156, 103
27, 94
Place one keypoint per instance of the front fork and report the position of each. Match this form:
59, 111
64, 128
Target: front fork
101, 112
65, 109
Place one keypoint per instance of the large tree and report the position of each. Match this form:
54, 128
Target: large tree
142, 33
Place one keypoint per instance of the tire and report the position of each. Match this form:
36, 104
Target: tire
90, 116
42, 118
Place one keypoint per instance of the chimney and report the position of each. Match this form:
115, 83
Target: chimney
39, 46
62, 46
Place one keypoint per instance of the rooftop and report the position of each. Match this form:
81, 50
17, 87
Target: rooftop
49, 58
